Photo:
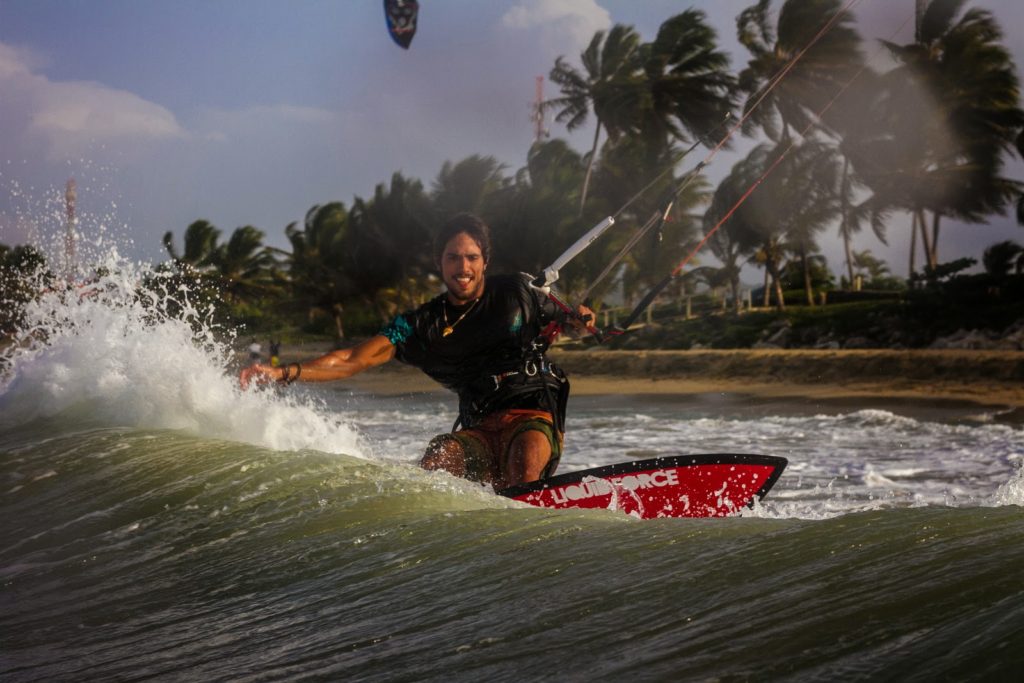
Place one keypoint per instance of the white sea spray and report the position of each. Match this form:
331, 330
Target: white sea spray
130, 345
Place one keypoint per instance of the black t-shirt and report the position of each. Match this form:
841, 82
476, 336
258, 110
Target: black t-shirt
493, 338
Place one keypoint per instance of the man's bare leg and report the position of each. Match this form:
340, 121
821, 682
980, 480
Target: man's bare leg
528, 455
445, 454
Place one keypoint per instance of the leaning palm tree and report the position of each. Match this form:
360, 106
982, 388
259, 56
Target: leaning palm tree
875, 269
317, 263
792, 204
850, 122
536, 217
831, 60
247, 268
390, 243
23, 272
736, 242
1002, 258
691, 90
755, 229
610, 85
731, 253
770, 256
200, 246
969, 121
466, 185
807, 191
242, 268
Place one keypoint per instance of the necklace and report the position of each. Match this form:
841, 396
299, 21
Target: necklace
448, 329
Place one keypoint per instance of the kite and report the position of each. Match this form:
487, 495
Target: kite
401, 16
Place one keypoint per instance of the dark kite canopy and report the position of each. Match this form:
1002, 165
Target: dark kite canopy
401, 16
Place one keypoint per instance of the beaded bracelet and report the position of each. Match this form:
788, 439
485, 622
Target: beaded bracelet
287, 377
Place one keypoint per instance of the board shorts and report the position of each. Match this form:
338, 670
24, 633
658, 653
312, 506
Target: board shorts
486, 445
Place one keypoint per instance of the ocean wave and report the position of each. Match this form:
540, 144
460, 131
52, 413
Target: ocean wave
117, 356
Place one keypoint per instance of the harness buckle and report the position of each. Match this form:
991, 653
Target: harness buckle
501, 377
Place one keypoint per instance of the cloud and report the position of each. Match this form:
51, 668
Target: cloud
575, 20
224, 125
16, 60
70, 118
75, 111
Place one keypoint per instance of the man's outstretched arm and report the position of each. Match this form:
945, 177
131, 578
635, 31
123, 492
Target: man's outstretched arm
331, 366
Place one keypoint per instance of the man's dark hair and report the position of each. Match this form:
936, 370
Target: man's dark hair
469, 224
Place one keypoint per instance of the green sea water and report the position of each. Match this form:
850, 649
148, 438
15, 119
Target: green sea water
158, 523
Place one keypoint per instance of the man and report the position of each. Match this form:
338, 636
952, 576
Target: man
483, 340
255, 351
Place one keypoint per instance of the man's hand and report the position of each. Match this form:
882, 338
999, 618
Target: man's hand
586, 315
260, 374
582, 323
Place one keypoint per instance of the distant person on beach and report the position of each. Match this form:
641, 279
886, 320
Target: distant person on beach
255, 352
482, 339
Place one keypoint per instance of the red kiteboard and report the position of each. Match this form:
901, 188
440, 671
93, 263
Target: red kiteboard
711, 485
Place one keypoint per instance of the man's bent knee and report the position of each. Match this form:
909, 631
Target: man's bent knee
528, 457
444, 452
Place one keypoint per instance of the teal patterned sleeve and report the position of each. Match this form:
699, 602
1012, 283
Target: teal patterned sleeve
398, 330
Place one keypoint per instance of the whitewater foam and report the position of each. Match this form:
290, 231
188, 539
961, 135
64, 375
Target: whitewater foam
130, 348
1012, 492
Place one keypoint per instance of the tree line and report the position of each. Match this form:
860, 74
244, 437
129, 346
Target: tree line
838, 147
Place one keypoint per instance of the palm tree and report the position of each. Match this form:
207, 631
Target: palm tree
691, 90
535, 217
850, 121
731, 253
831, 60
829, 63
610, 85
466, 186
852, 215
200, 246
689, 93
192, 268
873, 271
771, 255
629, 165
790, 207
246, 267
730, 244
317, 263
23, 273
1003, 257
752, 229
967, 118
805, 192
390, 244
892, 149
241, 269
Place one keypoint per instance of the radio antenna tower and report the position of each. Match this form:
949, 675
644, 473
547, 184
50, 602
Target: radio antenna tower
70, 194
539, 131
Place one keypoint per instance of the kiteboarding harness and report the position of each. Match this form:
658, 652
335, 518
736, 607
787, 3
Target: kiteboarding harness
494, 358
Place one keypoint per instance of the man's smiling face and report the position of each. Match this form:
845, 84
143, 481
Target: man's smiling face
462, 269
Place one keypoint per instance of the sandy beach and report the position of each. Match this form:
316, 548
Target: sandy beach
983, 377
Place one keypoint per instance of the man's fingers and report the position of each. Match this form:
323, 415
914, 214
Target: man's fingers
586, 315
253, 373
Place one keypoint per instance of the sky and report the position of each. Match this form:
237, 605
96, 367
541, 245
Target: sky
250, 112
